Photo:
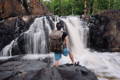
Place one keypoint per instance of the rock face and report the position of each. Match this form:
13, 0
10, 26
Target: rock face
104, 34
12, 8
18, 69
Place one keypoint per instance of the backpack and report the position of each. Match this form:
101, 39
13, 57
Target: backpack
56, 42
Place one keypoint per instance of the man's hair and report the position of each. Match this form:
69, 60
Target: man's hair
59, 26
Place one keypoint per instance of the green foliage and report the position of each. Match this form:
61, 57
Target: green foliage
65, 7
76, 7
116, 4
100, 5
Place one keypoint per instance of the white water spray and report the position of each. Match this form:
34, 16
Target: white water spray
7, 50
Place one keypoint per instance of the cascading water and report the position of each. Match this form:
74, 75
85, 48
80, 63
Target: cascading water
37, 36
105, 65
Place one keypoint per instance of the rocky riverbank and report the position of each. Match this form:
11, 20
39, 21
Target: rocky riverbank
17, 68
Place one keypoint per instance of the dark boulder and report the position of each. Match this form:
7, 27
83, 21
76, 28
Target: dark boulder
18, 69
104, 33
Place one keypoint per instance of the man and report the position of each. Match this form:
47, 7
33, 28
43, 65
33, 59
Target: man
62, 48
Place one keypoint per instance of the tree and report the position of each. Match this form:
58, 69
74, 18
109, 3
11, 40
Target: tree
76, 7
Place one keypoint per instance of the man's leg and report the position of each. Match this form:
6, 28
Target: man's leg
57, 63
57, 59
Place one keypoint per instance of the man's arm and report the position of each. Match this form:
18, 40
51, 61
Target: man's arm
67, 46
66, 41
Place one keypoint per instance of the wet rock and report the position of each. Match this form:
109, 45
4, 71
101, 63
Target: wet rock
104, 33
12, 28
40, 70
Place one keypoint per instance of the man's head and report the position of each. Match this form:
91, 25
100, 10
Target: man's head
59, 26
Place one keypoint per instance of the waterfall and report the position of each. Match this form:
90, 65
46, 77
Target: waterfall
105, 65
76, 32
